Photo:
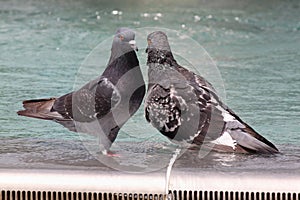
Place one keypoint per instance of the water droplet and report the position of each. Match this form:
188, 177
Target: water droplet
237, 19
145, 15
183, 26
115, 12
57, 48
197, 18
155, 18
83, 20
209, 16
98, 17
158, 15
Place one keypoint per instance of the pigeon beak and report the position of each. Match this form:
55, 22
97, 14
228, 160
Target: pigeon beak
147, 49
133, 45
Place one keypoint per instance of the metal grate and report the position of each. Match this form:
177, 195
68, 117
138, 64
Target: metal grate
112, 185
226, 195
174, 195
44, 195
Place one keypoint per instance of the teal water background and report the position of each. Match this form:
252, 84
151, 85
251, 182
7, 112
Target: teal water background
255, 44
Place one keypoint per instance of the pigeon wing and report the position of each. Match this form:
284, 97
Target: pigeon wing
93, 101
176, 111
163, 111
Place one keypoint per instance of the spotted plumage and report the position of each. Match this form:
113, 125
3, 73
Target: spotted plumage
102, 106
185, 107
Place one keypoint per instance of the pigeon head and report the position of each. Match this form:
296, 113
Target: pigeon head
124, 39
158, 49
123, 43
158, 40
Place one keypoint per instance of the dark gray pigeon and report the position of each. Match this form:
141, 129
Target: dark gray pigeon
102, 106
184, 107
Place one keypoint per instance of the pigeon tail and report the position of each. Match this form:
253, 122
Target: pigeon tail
249, 139
39, 108
240, 136
42, 109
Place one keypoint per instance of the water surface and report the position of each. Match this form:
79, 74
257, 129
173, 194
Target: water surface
255, 46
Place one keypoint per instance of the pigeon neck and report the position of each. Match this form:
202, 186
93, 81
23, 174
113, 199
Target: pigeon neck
161, 57
118, 51
114, 56
118, 66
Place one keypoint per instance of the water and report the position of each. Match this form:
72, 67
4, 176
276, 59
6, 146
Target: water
255, 45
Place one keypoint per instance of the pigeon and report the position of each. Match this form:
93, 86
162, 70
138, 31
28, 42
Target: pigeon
102, 106
185, 107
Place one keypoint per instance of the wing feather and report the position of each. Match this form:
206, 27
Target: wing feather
93, 101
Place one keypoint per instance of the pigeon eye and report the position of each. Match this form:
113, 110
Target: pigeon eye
121, 37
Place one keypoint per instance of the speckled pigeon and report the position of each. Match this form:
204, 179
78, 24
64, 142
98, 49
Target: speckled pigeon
185, 107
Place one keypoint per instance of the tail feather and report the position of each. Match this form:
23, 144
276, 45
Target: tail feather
267, 145
248, 138
39, 108
239, 135
247, 141
42, 109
